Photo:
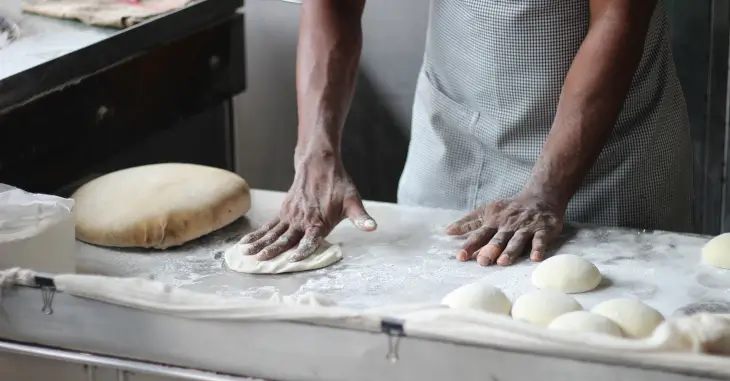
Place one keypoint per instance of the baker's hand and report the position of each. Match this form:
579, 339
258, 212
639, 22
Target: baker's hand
321, 196
501, 231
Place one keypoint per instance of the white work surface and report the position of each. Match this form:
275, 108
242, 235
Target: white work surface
410, 260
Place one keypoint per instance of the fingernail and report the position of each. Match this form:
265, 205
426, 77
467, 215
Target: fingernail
366, 223
536, 256
462, 255
504, 260
484, 261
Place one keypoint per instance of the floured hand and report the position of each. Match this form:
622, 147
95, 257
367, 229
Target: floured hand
500, 231
321, 196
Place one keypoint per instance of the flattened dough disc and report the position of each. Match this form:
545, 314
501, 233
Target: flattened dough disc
327, 254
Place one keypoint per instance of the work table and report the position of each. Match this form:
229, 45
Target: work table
410, 259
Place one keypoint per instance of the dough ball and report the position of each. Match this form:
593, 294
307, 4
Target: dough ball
542, 307
158, 206
478, 296
566, 273
636, 319
584, 321
716, 252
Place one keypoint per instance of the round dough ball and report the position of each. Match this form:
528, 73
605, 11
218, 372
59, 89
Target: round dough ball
566, 273
541, 307
478, 296
159, 205
636, 319
716, 252
584, 321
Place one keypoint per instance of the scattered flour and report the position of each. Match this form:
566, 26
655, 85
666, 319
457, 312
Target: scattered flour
409, 260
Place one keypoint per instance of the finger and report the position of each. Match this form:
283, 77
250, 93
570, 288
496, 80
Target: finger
355, 211
514, 248
257, 234
282, 244
475, 240
267, 239
539, 245
470, 222
491, 251
309, 244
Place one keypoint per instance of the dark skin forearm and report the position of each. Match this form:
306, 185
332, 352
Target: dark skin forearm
593, 94
322, 194
328, 53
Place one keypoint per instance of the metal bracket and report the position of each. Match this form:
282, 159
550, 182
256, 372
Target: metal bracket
394, 329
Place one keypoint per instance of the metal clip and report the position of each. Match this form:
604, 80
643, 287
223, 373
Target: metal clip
48, 293
394, 329
90, 372
48, 290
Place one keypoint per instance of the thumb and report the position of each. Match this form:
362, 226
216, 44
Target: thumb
355, 212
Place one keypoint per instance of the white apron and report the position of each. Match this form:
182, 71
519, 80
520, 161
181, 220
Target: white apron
486, 98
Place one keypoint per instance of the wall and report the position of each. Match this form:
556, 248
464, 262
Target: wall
266, 112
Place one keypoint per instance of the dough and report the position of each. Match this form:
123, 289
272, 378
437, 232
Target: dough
566, 273
584, 321
478, 296
542, 307
158, 206
716, 252
636, 319
326, 255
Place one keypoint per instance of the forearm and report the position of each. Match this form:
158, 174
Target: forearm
593, 94
328, 53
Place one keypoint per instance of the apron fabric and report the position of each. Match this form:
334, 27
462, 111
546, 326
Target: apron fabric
487, 95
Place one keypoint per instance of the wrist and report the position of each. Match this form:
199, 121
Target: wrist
321, 155
551, 184
554, 196
317, 144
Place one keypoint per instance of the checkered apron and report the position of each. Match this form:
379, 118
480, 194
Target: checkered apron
487, 95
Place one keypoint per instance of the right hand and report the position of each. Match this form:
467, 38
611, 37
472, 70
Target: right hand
321, 196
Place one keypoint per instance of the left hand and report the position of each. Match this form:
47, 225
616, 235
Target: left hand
500, 231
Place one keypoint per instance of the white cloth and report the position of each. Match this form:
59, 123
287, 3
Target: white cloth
108, 13
161, 298
692, 336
